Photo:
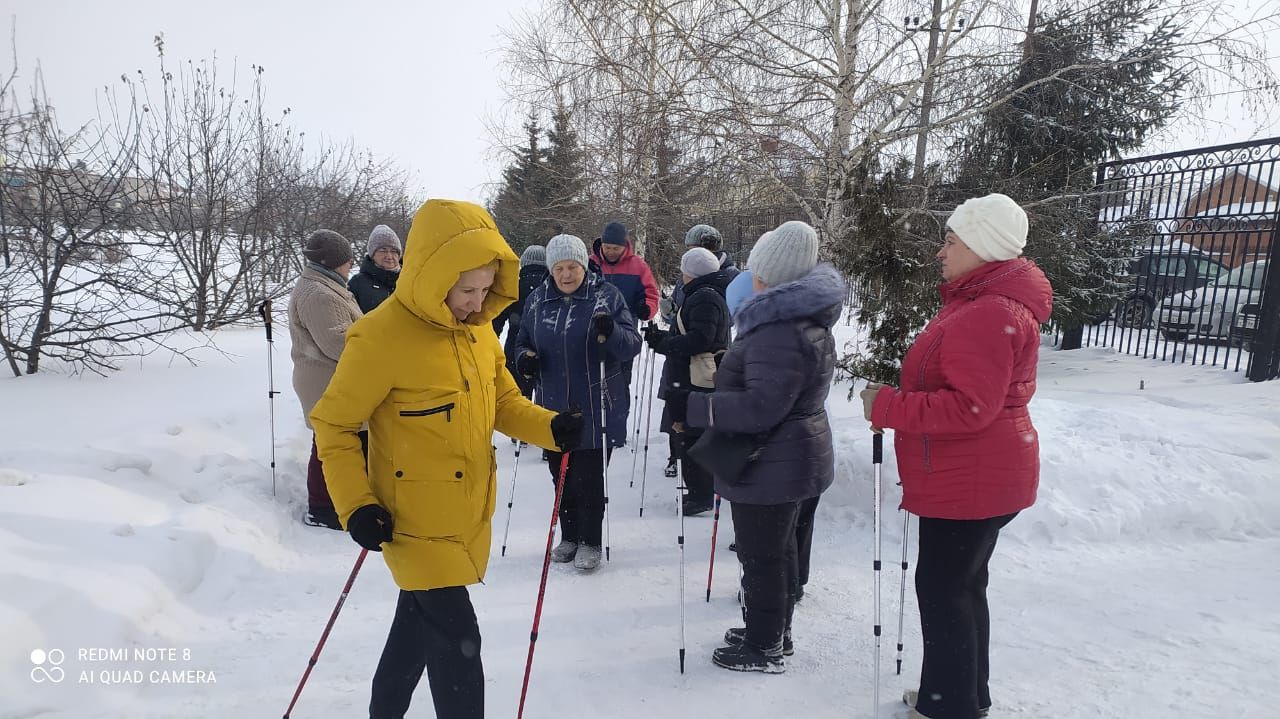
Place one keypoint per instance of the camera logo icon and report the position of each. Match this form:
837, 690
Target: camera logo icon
53, 672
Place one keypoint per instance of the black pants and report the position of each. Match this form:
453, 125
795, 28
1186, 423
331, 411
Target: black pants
697, 480
804, 537
626, 368
951, 587
434, 630
582, 506
766, 538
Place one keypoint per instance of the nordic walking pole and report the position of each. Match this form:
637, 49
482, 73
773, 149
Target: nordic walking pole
642, 395
711, 564
264, 310
680, 541
315, 656
648, 424
902, 586
604, 452
542, 585
511, 498
637, 385
877, 459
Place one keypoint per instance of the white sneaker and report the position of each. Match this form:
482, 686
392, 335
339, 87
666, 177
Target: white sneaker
564, 552
588, 558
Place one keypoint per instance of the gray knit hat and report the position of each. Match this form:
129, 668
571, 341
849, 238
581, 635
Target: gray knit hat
786, 254
566, 247
328, 248
699, 261
383, 236
703, 235
533, 255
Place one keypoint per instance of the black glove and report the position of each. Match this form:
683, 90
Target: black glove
643, 311
370, 526
602, 326
527, 365
654, 335
566, 428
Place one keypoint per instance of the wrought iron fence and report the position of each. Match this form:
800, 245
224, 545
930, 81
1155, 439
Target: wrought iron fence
1204, 287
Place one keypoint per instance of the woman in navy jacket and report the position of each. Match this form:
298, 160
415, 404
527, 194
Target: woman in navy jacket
571, 323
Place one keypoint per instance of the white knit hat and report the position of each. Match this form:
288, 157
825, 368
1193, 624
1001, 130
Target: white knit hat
566, 247
994, 227
786, 254
699, 261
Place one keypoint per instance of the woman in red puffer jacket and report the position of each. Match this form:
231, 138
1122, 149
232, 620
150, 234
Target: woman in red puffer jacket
968, 454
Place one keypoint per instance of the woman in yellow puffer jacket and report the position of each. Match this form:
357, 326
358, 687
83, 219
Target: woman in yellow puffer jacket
427, 373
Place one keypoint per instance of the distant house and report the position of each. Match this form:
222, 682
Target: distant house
1233, 218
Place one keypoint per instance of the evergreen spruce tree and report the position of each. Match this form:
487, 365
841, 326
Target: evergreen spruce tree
1090, 86
892, 268
515, 207
563, 207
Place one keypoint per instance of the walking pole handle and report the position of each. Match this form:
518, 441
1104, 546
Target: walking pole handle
264, 310
877, 446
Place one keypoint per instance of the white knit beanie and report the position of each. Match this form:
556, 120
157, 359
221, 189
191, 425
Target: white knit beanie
699, 261
382, 236
994, 227
786, 254
566, 247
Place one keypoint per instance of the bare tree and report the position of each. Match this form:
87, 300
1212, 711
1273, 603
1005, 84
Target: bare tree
788, 100
78, 288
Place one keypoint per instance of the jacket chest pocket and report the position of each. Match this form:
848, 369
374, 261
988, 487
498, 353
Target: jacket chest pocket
433, 497
431, 426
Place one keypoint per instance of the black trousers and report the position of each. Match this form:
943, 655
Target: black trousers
804, 537
434, 630
582, 506
951, 587
700, 483
766, 538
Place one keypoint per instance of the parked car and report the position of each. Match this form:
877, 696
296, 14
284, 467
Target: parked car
1160, 274
1209, 311
1245, 326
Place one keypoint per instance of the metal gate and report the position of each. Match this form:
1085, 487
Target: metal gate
1204, 285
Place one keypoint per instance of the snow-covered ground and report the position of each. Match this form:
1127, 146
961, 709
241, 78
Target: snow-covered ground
136, 513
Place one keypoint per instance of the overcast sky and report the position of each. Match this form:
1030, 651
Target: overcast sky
412, 80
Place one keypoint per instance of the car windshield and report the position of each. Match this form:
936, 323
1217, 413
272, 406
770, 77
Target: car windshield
1249, 276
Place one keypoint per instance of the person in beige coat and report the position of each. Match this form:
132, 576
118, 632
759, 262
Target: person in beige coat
321, 309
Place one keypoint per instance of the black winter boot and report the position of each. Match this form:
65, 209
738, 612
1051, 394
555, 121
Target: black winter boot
738, 635
746, 658
693, 507
326, 518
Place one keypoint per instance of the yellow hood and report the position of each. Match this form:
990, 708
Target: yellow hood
447, 238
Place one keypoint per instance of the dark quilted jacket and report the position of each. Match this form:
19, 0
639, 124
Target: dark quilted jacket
774, 382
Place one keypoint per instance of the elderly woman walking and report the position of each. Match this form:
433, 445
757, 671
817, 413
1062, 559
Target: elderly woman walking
772, 386
968, 454
574, 326
321, 308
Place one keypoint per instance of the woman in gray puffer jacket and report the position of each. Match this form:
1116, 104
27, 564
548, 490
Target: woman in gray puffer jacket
773, 383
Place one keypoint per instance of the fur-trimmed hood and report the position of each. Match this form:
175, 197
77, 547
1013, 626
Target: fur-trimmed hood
818, 295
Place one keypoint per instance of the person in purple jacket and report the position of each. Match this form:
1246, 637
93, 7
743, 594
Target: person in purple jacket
773, 384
